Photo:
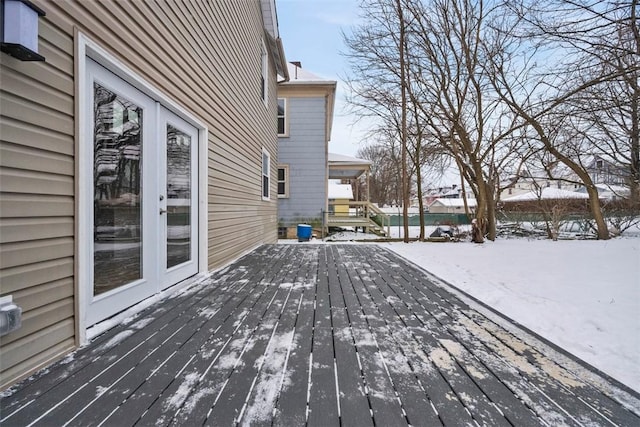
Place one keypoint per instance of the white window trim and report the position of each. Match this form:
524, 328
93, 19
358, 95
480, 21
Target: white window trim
286, 182
86, 47
286, 119
268, 175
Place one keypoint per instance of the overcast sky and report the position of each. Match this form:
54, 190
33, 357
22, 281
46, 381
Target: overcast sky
311, 32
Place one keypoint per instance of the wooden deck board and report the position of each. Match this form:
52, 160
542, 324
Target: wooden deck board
537, 381
317, 335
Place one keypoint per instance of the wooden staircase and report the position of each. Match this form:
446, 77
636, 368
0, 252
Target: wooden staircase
358, 215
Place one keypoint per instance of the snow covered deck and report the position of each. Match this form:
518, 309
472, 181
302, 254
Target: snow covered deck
322, 335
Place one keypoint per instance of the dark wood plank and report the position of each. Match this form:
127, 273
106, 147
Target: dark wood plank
291, 405
549, 394
354, 403
568, 379
272, 371
391, 346
408, 384
198, 383
385, 406
514, 409
323, 399
157, 317
231, 400
123, 353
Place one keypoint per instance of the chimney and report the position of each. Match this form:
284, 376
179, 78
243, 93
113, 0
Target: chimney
296, 64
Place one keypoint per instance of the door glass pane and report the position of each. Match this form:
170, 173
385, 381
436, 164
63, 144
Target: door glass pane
117, 203
178, 197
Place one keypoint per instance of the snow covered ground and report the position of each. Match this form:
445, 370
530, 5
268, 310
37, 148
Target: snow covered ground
584, 296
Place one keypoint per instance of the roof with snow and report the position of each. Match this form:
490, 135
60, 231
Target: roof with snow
345, 167
547, 193
297, 74
340, 158
454, 203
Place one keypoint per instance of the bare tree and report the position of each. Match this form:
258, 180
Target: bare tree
380, 82
450, 85
568, 47
385, 187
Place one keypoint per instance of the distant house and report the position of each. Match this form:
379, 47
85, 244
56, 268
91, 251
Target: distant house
609, 191
603, 171
305, 117
449, 205
140, 153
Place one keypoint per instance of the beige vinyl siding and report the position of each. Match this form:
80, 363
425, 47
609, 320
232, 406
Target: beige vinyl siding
37, 204
204, 56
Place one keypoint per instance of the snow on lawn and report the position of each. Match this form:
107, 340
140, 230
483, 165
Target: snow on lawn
583, 296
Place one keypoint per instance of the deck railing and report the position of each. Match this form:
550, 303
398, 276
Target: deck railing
358, 214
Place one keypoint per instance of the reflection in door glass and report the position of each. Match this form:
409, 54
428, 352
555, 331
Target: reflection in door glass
178, 197
117, 204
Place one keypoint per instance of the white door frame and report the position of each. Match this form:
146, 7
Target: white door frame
172, 275
86, 48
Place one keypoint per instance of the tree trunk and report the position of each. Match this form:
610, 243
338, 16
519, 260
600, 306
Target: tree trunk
403, 131
491, 214
481, 203
420, 202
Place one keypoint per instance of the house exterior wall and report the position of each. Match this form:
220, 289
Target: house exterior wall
305, 152
190, 51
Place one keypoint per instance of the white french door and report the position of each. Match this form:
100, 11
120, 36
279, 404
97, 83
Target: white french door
144, 197
178, 198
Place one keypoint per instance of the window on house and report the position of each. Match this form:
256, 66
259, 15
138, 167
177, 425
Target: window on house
266, 172
283, 181
264, 73
282, 118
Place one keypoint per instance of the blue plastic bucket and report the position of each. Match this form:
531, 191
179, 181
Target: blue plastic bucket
304, 232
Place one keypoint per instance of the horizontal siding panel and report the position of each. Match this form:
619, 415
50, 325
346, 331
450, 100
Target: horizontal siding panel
19, 157
36, 362
13, 279
231, 231
14, 205
42, 72
20, 350
20, 181
40, 318
50, 98
29, 135
25, 229
59, 62
41, 295
23, 253
21, 109
247, 214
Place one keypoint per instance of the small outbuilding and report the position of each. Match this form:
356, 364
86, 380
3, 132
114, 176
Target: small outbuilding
447, 205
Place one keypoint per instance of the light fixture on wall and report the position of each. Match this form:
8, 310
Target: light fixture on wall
20, 29
10, 315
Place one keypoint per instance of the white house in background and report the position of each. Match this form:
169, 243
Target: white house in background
446, 205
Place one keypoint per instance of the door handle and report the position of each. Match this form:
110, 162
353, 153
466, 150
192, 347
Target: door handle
162, 211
